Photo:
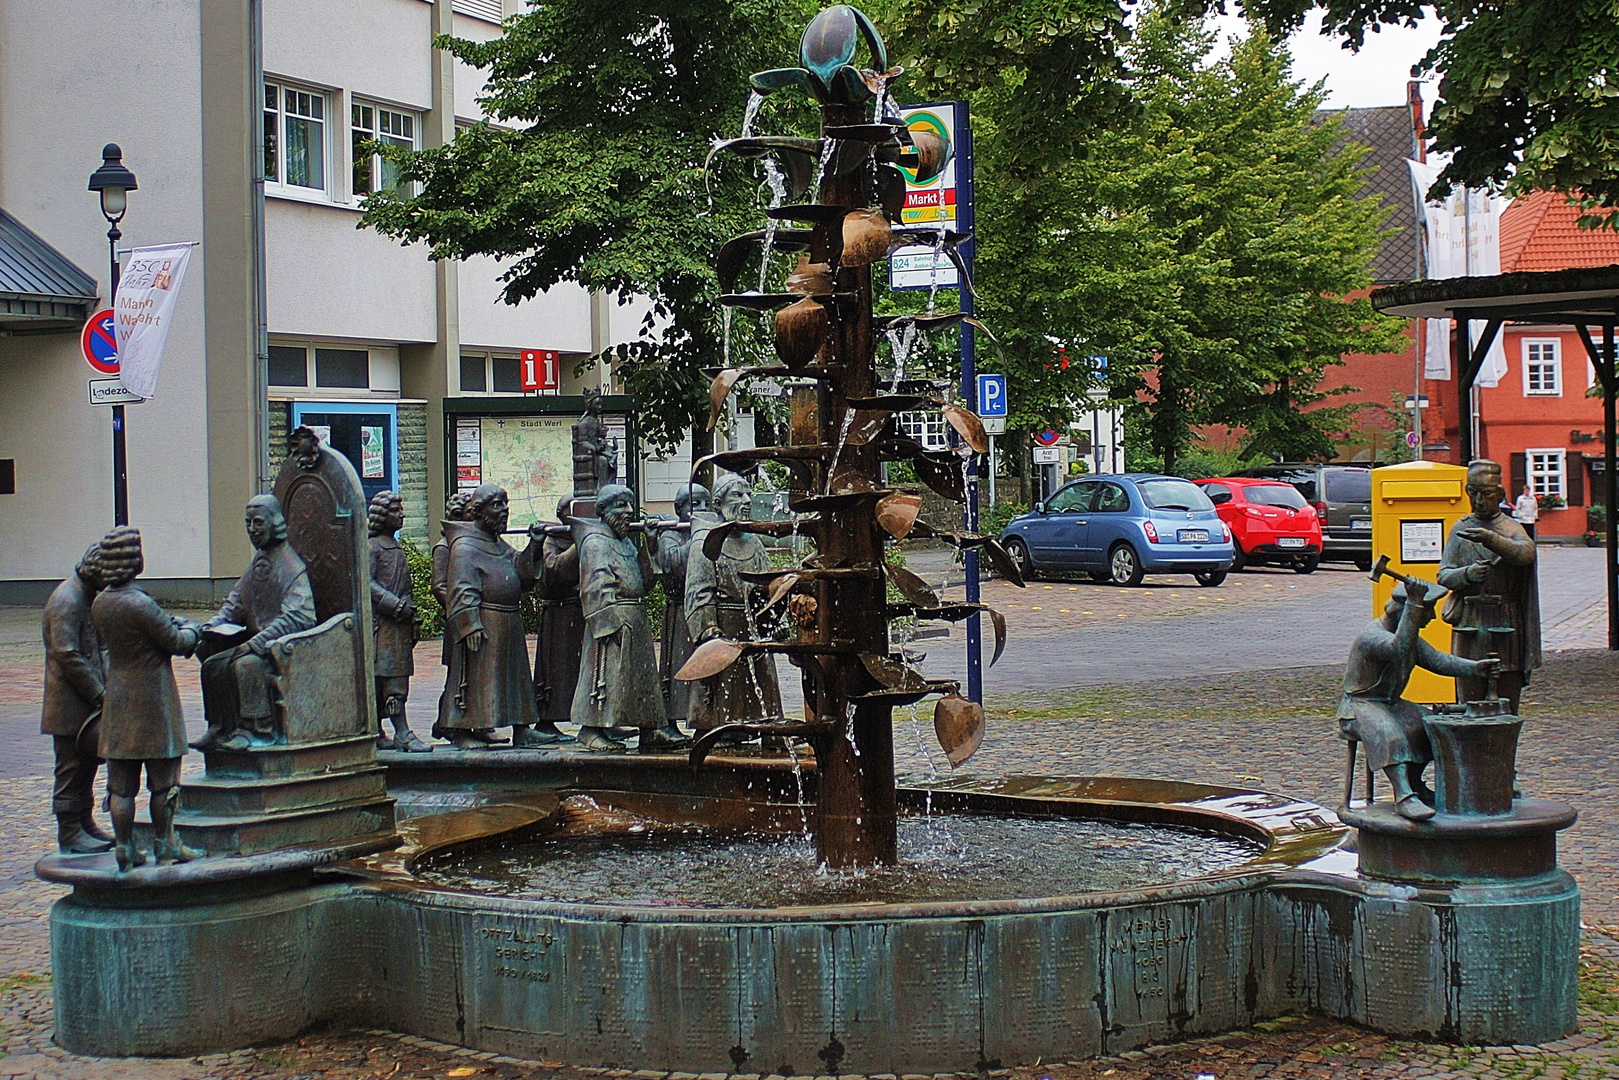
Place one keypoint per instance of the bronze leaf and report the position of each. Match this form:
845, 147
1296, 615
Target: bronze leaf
959, 725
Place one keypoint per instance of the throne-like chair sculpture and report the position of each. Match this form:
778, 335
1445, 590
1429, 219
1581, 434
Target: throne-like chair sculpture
317, 783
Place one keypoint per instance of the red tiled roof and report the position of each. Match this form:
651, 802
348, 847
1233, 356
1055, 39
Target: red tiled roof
1538, 232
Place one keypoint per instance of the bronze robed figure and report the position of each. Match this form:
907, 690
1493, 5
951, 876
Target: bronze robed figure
595, 451
489, 684
393, 621
675, 645
720, 604
74, 683
142, 724
271, 600
1494, 604
562, 629
1373, 711
618, 676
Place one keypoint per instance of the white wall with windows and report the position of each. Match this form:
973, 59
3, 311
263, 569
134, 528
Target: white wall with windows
379, 49
333, 368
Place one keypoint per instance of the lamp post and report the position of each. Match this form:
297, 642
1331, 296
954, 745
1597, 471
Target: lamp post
113, 182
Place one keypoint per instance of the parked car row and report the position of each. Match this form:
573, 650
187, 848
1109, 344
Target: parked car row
1118, 528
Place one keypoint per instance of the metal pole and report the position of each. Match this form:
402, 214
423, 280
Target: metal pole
969, 389
1611, 522
120, 453
261, 326
1416, 421
992, 472
1460, 354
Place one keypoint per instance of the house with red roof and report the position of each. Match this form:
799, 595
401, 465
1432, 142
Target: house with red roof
1541, 421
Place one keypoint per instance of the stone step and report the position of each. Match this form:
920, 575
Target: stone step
243, 834
305, 759
227, 796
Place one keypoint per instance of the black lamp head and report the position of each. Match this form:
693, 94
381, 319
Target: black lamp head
113, 181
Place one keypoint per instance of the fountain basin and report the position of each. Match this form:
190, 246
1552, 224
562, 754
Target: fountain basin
839, 988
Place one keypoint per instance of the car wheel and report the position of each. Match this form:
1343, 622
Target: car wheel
1019, 551
1124, 566
1209, 578
1239, 561
1307, 564
1364, 562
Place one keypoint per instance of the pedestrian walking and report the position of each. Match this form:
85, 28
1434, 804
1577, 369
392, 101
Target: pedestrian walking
1526, 511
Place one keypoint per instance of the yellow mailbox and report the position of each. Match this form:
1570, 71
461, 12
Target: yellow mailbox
1414, 507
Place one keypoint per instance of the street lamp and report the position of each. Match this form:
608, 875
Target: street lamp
113, 182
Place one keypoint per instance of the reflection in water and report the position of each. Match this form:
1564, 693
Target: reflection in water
943, 857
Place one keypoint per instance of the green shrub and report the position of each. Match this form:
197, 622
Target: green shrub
1596, 518
996, 518
429, 612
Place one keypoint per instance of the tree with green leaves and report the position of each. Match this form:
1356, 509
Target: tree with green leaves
1528, 90
1207, 247
591, 167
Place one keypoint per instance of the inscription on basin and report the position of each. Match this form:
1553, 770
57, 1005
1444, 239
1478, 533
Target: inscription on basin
1150, 973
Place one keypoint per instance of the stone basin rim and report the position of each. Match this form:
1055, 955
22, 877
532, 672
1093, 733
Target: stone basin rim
1285, 848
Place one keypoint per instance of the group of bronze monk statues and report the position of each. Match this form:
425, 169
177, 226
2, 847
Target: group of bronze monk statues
1488, 583
595, 663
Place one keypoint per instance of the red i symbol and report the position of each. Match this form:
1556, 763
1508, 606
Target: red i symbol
539, 369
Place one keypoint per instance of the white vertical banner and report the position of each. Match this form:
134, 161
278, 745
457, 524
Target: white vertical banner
1463, 236
142, 311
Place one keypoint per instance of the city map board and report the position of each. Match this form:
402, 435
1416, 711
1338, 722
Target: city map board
530, 455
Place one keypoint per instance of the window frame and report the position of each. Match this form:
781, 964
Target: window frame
487, 358
1560, 474
374, 133
1555, 365
927, 427
278, 186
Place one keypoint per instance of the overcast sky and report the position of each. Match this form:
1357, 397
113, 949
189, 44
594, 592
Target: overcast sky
1376, 75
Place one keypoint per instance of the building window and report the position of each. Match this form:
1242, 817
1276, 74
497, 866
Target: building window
289, 365
508, 376
474, 378
349, 368
294, 138
375, 124
1546, 473
1542, 368
927, 428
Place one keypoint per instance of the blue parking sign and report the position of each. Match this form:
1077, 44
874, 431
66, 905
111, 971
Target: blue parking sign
992, 395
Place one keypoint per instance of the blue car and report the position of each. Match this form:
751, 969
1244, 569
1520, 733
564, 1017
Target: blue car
1120, 527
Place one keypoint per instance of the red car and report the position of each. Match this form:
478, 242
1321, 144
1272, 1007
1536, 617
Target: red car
1270, 522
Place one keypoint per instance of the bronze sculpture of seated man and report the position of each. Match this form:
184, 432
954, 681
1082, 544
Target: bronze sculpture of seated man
271, 600
1373, 711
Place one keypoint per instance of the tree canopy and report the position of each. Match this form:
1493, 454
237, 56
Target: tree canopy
1528, 89
591, 168
1206, 248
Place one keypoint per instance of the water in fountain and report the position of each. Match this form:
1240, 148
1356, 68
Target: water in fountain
983, 857
778, 195
837, 453
755, 99
725, 336
933, 271
900, 340
828, 148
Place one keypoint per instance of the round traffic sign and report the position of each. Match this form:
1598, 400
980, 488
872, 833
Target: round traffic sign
99, 342
1046, 437
1411, 439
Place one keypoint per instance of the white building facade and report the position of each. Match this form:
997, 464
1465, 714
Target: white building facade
368, 340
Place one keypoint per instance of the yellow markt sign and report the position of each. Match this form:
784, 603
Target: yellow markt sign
1414, 507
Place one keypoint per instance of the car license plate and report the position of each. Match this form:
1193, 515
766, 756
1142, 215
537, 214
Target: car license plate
1193, 536
1361, 523
1290, 541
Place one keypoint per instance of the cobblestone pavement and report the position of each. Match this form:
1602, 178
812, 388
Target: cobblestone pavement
1261, 728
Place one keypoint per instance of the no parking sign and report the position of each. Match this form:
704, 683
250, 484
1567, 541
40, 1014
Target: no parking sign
99, 342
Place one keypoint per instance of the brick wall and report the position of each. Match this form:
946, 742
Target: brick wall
413, 469
280, 424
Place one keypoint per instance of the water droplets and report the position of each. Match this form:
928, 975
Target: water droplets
778, 194
751, 112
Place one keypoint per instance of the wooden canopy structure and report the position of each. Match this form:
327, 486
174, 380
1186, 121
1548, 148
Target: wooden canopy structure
1582, 298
